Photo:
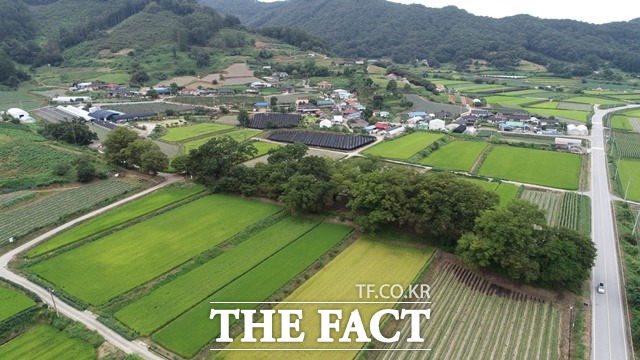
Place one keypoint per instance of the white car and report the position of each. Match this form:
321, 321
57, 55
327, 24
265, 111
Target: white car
601, 288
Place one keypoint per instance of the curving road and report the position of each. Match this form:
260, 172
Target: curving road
85, 317
609, 322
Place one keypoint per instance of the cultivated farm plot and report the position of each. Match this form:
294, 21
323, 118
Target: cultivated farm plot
176, 134
193, 330
238, 135
546, 105
13, 302
458, 155
420, 104
367, 261
540, 167
473, 318
44, 342
510, 101
156, 309
593, 101
566, 105
627, 145
565, 114
53, 208
635, 123
19, 99
575, 212
548, 201
103, 269
118, 216
629, 170
621, 122
404, 147
27, 159
264, 147
16, 197
551, 81
505, 191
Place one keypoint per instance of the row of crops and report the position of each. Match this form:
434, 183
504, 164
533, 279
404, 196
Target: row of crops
13, 198
627, 144
118, 216
27, 159
474, 319
569, 209
368, 261
547, 201
268, 251
56, 207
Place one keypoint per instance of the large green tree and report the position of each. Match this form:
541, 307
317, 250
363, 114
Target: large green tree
74, 132
216, 157
116, 143
306, 193
517, 241
153, 160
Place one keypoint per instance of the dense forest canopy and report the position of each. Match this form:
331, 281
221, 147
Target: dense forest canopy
379, 28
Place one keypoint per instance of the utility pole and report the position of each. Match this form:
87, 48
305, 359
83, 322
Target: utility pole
51, 291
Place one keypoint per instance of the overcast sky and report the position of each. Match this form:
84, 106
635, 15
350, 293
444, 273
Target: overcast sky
597, 12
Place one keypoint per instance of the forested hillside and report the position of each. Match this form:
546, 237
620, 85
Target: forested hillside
35, 33
378, 28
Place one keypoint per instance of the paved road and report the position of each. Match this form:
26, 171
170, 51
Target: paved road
85, 317
609, 327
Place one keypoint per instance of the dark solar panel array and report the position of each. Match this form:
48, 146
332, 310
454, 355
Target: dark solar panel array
273, 121
320, 139
105, 124
133, 116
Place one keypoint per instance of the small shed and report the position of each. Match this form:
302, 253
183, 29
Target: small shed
325, 124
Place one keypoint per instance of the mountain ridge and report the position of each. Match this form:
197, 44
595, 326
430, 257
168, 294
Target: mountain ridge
353, 28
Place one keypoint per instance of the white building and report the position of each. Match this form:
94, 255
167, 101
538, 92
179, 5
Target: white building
582, 130
395, 131
69, 99
579, 130
260, 85
325, 124
21, 115
436, 124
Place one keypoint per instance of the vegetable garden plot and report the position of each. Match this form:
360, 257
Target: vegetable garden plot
627, 144
475, 319
548, 201
53, 208
186, 132
325, 140
541, 167
404, 147
635, 124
